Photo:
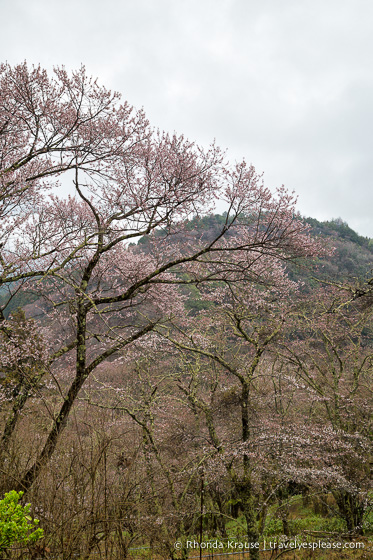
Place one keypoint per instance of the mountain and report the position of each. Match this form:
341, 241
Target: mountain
352, 258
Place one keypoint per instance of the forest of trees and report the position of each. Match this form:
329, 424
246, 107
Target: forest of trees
166, 372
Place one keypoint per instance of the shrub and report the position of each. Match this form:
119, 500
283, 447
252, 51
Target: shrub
16, 524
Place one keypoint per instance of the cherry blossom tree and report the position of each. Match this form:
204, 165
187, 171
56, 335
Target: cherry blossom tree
96, 293
23, 363
169, 442
226, 353
48, 127
329, 350
294, 370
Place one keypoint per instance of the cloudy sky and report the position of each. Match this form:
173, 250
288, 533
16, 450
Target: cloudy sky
287, 84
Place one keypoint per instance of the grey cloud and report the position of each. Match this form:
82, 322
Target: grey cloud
286, 84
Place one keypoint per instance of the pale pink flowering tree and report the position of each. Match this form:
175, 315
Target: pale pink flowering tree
50, 126
330, 354
168, 448
129, 181
226, 355
23, 363
280, 382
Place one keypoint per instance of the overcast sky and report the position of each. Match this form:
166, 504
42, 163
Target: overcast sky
287, 84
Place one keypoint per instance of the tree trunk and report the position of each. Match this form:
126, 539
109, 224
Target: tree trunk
248, 505
351, 510
60, 421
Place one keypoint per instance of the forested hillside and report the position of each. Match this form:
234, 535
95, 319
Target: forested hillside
352, 258
351, 262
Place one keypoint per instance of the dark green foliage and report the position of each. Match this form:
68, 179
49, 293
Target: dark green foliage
11, 304
353, 256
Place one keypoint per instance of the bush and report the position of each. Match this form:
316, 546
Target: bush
16, 524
